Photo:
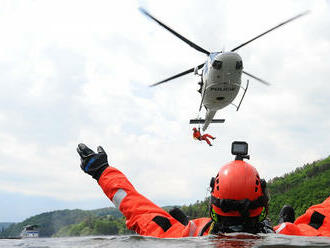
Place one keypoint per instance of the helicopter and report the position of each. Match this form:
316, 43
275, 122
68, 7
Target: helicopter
220, 79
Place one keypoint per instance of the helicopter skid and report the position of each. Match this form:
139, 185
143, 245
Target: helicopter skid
202, 121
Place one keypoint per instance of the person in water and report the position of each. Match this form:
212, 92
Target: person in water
238, 203
197, 135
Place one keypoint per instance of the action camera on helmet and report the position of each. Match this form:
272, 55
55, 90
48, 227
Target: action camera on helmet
240, 149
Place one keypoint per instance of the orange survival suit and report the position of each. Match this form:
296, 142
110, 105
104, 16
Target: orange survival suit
315, 222
143, 216
146, 218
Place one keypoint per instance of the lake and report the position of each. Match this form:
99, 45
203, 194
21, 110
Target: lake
136, 241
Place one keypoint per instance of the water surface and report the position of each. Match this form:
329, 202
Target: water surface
136, 241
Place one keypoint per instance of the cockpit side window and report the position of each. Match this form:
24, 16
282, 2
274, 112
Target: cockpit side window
217, 64
239, 65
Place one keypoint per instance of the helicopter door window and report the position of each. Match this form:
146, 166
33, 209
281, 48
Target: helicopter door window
239, 64
217, 64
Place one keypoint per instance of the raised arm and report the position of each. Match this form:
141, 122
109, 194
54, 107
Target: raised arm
142, 216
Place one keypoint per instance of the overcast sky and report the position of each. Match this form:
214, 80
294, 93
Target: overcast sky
78, 71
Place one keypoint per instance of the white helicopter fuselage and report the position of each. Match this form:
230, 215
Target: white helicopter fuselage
221, 79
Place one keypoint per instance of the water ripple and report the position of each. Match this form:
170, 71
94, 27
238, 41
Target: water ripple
136, 241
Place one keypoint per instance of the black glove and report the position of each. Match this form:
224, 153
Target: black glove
92, 163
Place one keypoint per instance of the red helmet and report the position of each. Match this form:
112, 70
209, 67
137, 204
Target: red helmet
238, 191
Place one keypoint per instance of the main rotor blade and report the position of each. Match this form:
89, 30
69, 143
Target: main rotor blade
175, 33
176, 76
256, 78
281, 24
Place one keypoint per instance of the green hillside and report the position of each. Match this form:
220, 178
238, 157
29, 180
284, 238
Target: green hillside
4, 225
52, 222
106, 225
306, 186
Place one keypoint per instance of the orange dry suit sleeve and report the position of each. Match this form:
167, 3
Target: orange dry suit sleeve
315, 222
143, 216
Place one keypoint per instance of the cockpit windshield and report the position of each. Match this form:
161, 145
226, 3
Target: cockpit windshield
216, 64
239, 65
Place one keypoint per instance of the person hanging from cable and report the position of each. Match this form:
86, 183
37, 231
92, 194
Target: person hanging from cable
197, 135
